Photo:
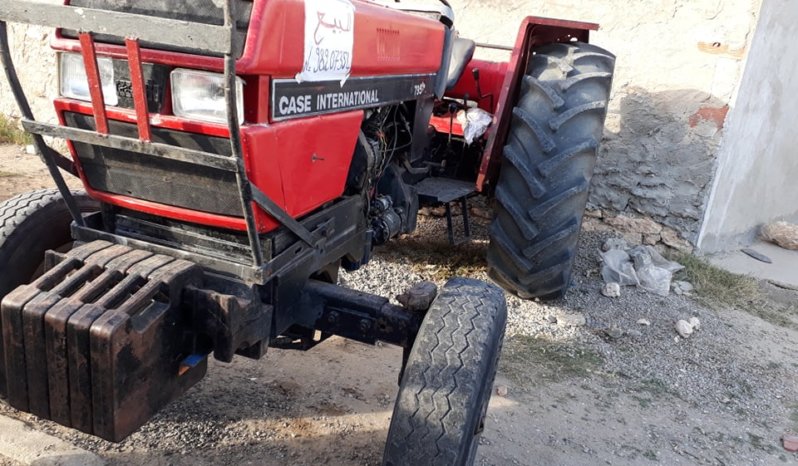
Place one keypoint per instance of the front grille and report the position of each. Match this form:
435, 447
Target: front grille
208, 241
155, 78
155, 179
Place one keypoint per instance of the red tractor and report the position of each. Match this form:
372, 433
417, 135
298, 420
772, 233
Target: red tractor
237, 153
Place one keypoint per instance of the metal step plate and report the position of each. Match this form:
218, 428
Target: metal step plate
436, 190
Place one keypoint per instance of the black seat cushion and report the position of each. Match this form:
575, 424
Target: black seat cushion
462, 52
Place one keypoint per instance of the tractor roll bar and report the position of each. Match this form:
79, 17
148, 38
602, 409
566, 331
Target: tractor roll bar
134, 28
204, 38
46, 152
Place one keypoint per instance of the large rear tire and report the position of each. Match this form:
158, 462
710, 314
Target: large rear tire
547, 166
30, 225
444, 394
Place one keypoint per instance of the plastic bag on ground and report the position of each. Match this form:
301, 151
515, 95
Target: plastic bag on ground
653, 271
659, 261
618, 268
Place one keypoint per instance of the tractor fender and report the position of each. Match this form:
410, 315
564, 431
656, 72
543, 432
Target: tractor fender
534, 32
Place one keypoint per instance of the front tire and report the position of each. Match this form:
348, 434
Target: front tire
444, 394
30, 225
547, 166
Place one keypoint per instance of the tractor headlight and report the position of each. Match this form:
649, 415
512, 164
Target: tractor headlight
74, 83
200, 95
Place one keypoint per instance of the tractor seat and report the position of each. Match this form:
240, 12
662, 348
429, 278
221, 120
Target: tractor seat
462, 52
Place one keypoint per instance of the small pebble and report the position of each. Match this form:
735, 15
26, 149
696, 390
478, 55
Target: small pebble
790, 442
613, 333
684, 329
551, 319
573, 320
644, 322
502, 390
695, 323
30, 149
612, 290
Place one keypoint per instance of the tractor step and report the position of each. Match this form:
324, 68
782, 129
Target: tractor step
98, 342
446, 191
436, 190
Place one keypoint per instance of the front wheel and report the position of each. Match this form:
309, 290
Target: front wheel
443, 398
548, 162
30, 225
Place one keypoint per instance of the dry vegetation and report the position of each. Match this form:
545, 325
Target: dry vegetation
10, 133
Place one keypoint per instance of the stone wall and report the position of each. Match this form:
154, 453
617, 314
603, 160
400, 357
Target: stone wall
679, 63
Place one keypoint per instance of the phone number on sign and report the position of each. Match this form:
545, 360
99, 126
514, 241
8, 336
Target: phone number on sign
323, 60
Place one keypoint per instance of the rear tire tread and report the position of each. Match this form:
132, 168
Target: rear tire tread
546, 175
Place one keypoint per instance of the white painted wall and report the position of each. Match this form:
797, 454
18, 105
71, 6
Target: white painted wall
757, 176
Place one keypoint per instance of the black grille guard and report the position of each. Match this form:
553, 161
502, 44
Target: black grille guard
133, 28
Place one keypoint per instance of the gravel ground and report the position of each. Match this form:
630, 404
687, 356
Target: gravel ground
585, 383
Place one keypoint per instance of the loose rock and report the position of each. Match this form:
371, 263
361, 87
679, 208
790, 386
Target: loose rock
783, 234
695, 323
682, 288
612, 333
644, 322
790, 442
612, 290
502, 390
573, 320
419, 297
684, 329
30, 149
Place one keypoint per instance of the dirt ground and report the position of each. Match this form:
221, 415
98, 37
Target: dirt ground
586, 384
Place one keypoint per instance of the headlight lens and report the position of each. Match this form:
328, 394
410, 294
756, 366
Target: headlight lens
74, 83
200, 95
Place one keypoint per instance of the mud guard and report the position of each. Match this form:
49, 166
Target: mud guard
534, 32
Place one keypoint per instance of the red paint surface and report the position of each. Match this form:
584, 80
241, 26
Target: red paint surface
95, 84
716, 115
275, 43
445, 123
300, 164
491, 78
